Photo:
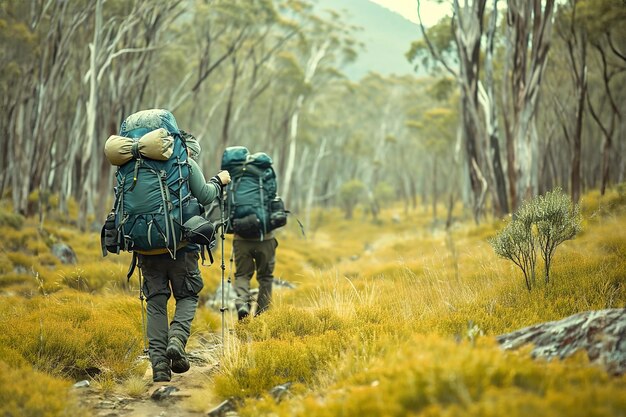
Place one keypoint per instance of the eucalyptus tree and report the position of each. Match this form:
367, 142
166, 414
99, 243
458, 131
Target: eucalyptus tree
574, 36
126, 29
330, 142
603, 21
437, 129
529, 26
454, 45
50, 35
254, 34
380, 98
322, 44
18, 48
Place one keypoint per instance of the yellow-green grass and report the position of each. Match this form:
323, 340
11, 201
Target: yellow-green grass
407, 296
135, 386
72, 335
387, 318
429, 375
26, 392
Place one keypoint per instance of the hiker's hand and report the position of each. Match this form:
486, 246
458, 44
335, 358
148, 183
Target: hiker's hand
224, 177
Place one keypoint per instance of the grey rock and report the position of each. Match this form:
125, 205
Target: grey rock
280, 391
163, 392
601, 333
82, 384
64, 253
20, 269
226, 408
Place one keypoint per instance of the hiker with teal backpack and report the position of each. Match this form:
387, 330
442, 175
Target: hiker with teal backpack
254, 212
159, 197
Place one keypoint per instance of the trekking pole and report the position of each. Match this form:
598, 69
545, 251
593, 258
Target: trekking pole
223, 267
143, 315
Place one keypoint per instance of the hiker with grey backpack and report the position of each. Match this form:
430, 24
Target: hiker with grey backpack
254, 212
157, 216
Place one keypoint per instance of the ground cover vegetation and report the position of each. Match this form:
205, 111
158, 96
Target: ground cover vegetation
403, 184
388, 318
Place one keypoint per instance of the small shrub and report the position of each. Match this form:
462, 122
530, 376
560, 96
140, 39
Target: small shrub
13, 220
557, 220
350, 193
542, 223
383, 193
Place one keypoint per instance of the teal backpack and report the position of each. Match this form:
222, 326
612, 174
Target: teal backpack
253, 207
152, 197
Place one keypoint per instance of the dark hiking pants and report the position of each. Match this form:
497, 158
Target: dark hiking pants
251, 255
162, 277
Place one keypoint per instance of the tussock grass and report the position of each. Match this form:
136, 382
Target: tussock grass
26, 392
430, 375
69, 335
392, 318
410, 313
272, 362
135, 386
12, 220
105, 383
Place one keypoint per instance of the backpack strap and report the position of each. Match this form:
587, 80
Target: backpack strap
265, 209
169, 226
131, 267
204, 248
181, 180
135, 173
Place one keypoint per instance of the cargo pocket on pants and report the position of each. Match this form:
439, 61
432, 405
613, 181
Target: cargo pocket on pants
193, 279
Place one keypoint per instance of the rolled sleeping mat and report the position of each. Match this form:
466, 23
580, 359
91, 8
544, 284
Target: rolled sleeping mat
156, 144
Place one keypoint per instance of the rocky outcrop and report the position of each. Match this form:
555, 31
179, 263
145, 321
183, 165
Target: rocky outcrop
601, 333
64, 253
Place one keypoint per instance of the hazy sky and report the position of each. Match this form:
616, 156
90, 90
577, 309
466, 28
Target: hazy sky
431, 11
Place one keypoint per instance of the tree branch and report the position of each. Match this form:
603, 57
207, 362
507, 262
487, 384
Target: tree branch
431, 48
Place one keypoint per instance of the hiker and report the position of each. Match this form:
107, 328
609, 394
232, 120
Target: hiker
181, 276
254, 254
255, 211
179, 184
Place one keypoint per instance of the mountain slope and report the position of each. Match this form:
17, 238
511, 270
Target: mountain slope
386, 36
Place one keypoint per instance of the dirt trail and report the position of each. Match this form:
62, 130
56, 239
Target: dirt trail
118, 404
203, 364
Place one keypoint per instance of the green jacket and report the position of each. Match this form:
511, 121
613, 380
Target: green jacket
204, 191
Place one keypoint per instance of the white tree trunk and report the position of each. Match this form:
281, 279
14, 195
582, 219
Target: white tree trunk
86, 206
321, 154
317, 53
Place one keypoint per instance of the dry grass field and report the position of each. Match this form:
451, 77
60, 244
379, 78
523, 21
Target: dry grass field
390, 319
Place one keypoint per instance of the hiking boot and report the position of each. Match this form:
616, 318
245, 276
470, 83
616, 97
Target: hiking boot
161, 372
176, 352
243, 311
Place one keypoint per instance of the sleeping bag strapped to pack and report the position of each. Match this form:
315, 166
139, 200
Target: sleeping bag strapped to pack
252, 205
152, 196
